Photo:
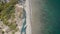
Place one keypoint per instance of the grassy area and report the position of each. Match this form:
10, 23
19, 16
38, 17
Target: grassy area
7, 11
2, 32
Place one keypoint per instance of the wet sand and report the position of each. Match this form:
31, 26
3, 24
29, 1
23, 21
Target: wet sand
36, 10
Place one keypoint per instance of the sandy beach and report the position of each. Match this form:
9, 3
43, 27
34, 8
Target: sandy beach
28, 19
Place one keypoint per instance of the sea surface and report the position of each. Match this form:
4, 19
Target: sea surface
45, 16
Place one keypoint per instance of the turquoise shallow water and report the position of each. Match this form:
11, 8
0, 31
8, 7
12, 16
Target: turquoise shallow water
51, 17
46, 17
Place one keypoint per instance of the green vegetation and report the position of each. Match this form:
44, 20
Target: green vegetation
7, 12
12, 26
13, 32
2, 32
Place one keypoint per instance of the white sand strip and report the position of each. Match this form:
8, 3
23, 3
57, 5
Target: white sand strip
28, 19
